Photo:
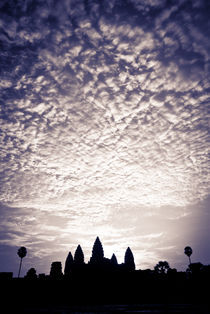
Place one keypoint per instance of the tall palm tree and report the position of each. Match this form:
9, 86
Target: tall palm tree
188, 251
21, 253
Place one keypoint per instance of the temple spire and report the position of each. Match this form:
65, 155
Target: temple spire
97, 252
79, 256
129, 260
68, 264
114, 259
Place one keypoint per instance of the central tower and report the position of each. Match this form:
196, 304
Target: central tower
97, 252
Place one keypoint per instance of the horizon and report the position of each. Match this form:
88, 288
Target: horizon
88, 258
104, 126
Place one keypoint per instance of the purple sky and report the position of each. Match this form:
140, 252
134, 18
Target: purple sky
104, 129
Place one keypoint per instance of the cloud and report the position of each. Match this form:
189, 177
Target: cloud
103, 108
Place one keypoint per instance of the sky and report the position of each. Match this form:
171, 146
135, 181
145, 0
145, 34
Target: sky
104, 130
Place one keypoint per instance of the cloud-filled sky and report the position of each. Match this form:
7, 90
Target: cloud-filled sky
104, 129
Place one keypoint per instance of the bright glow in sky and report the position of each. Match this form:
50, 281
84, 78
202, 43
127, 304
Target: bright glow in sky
104, 129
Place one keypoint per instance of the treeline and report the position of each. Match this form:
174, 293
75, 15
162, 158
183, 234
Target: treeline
105, 281
97, 286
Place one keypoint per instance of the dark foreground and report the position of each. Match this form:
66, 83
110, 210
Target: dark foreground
127, 292
121, 308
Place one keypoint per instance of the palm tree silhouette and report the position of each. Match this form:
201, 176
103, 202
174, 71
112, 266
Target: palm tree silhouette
188, 251
21, 253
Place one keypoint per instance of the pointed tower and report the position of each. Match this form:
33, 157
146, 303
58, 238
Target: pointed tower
68, 264
97, 252
114, 260
129, 260
79, 256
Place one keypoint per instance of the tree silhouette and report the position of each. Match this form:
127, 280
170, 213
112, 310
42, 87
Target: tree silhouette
162, 267
188, 251
97, 252
195, 268
68, 264
21, 253
79, 256
129, 259
31, 274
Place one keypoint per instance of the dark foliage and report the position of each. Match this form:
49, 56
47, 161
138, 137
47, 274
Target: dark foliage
31, 274
22, 252
188, 251
162, 267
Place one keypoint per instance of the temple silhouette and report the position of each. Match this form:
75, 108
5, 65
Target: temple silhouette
97, 262
105, 283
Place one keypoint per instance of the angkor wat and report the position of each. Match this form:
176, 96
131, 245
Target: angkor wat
103, 281
97, 262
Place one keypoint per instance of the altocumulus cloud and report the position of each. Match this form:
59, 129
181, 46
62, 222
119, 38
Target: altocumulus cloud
104, 114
